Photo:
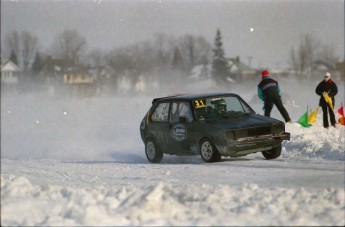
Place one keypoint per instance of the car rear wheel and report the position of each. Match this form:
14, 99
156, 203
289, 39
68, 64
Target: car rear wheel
208, 151
273, 153
153, 153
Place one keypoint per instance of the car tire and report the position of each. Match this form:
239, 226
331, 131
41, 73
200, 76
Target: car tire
208, 151
152, 151
273, 153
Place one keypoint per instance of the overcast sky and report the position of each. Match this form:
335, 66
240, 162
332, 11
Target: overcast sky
265, 30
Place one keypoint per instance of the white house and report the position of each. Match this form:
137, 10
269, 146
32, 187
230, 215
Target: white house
9, 72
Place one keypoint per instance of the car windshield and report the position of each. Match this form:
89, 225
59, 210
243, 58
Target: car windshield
214, 108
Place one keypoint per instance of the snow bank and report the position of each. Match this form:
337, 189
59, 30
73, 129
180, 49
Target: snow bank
166, 204
316, 141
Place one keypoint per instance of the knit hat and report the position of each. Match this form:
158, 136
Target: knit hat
265, 73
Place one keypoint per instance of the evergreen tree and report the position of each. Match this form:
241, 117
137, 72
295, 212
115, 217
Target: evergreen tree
219, 64
13, 57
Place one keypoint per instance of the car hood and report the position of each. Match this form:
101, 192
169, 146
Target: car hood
246, 121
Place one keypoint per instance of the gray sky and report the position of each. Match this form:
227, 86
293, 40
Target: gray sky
278, 25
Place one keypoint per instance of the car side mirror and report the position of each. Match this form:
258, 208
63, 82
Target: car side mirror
182, 119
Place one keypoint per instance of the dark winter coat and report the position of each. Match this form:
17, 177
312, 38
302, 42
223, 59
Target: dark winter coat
326, 86
268, 89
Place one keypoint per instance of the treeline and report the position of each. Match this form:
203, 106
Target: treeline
179, 53
163, 53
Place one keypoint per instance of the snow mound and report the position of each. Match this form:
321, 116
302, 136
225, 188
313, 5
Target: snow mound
166, 204
316, 141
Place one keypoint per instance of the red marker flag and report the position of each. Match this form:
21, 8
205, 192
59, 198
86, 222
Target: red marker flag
341, 110
341, 120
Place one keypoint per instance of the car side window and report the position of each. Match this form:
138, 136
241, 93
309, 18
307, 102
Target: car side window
161, 113
181, 109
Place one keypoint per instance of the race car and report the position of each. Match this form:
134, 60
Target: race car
211, 125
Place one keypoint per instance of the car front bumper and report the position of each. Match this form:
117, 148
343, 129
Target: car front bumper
247, 145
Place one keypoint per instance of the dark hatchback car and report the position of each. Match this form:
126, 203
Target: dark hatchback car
212, 125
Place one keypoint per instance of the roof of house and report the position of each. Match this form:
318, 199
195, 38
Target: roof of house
237, 66
10, 66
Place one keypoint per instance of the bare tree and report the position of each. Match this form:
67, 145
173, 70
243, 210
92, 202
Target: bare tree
70, 45
293, 61
194, 50
327, 54
163, 46
24, 45
96, 58
12, 43
309, 51
29, 48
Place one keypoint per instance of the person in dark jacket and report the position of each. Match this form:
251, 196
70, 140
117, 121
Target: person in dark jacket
269, 92
327, 86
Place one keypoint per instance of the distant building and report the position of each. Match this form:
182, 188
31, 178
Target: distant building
319, 68
76, 80
239, 71
80, 82
10, 73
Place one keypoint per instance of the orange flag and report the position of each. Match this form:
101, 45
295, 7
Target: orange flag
341, 120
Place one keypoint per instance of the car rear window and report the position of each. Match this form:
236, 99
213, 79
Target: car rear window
161, 113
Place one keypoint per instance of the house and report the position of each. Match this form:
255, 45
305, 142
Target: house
53, 69
239, 71
10, 73
319, 68
80, 81
74, 79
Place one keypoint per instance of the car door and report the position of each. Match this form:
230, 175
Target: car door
160, 126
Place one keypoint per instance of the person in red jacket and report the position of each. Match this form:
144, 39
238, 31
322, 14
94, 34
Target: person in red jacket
327, 86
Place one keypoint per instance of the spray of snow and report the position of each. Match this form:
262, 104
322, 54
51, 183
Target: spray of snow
74, 161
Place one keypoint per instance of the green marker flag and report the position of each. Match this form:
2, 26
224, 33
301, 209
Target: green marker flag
303, 120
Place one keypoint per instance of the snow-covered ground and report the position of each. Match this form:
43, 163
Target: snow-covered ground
68, 161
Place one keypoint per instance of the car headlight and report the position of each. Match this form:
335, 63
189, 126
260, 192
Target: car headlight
277, 129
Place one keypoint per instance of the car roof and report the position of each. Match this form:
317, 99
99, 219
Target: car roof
193, 96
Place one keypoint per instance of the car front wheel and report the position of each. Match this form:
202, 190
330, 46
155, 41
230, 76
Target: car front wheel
153, 152
208, 151
273, 153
